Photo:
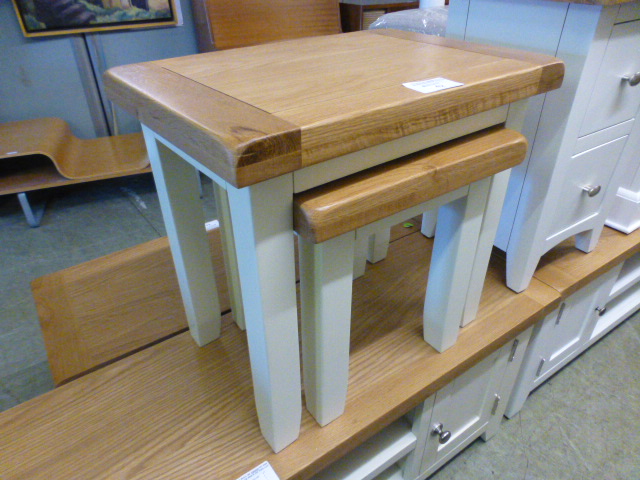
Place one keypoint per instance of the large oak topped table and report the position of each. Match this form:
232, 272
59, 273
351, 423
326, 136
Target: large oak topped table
267, 121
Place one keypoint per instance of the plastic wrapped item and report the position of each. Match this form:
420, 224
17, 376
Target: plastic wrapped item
432, 20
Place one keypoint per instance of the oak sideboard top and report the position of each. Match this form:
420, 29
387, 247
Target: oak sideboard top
250, 114
604, 3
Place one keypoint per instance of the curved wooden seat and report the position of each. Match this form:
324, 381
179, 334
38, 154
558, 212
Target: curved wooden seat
73, 158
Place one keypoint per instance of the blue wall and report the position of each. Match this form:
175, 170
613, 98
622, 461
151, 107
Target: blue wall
40, 77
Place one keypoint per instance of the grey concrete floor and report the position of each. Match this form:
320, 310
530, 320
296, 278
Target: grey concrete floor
584, 423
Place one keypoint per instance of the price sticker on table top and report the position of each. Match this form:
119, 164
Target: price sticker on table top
264, 471
432, 85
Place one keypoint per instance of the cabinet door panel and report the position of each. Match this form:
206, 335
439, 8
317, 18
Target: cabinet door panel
614, 100
463, 408
591, 168
566, 337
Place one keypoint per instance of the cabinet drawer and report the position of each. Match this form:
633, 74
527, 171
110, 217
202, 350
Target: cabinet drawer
591, 168
614, 100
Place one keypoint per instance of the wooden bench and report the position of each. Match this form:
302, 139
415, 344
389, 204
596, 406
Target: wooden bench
43, 153
101, 310
455, 176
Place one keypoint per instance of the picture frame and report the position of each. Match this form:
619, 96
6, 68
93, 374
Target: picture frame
60, 17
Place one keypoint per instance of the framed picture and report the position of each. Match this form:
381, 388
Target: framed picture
58, 17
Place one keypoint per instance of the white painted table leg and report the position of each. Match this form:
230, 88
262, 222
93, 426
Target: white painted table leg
429, 219
179, 196
360, 255
454, 250
263, 232
326, 279
229, 254
522, 260
488, 229
587, 241
379, 245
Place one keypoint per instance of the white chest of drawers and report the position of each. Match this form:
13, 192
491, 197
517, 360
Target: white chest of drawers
582, 137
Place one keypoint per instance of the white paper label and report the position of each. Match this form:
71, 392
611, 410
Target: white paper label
432, 85
263, 471
211, 225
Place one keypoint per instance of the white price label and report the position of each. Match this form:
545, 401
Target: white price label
432, 85
211, 225
263, 471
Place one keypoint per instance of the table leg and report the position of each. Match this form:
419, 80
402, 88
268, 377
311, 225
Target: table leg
263, 230
326, 280
490, 221
229, 254
429, 221
379, 245
178, 192
361, 249
452, 260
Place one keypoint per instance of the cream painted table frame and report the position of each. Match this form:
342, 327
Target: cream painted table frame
183, 135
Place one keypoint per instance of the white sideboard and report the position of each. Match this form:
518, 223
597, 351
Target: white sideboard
577, 133
415, 446
581, 320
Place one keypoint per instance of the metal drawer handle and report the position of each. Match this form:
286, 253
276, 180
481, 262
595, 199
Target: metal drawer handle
601, 311
592, 190
444, 435
632, 79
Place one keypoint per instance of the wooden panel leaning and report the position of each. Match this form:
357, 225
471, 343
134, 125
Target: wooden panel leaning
455, 176
222, 24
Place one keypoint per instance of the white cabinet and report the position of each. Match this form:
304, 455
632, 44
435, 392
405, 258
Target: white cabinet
577, 134
622, 302
582, 319
469, 406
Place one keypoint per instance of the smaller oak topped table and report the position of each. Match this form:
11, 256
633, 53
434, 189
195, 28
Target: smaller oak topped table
268, 121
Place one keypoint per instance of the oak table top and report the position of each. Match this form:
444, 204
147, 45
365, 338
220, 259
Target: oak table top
255, 113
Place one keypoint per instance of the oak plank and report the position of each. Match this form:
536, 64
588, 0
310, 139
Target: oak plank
604, 3
346, 204
178, 411
567, 269
96, 312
